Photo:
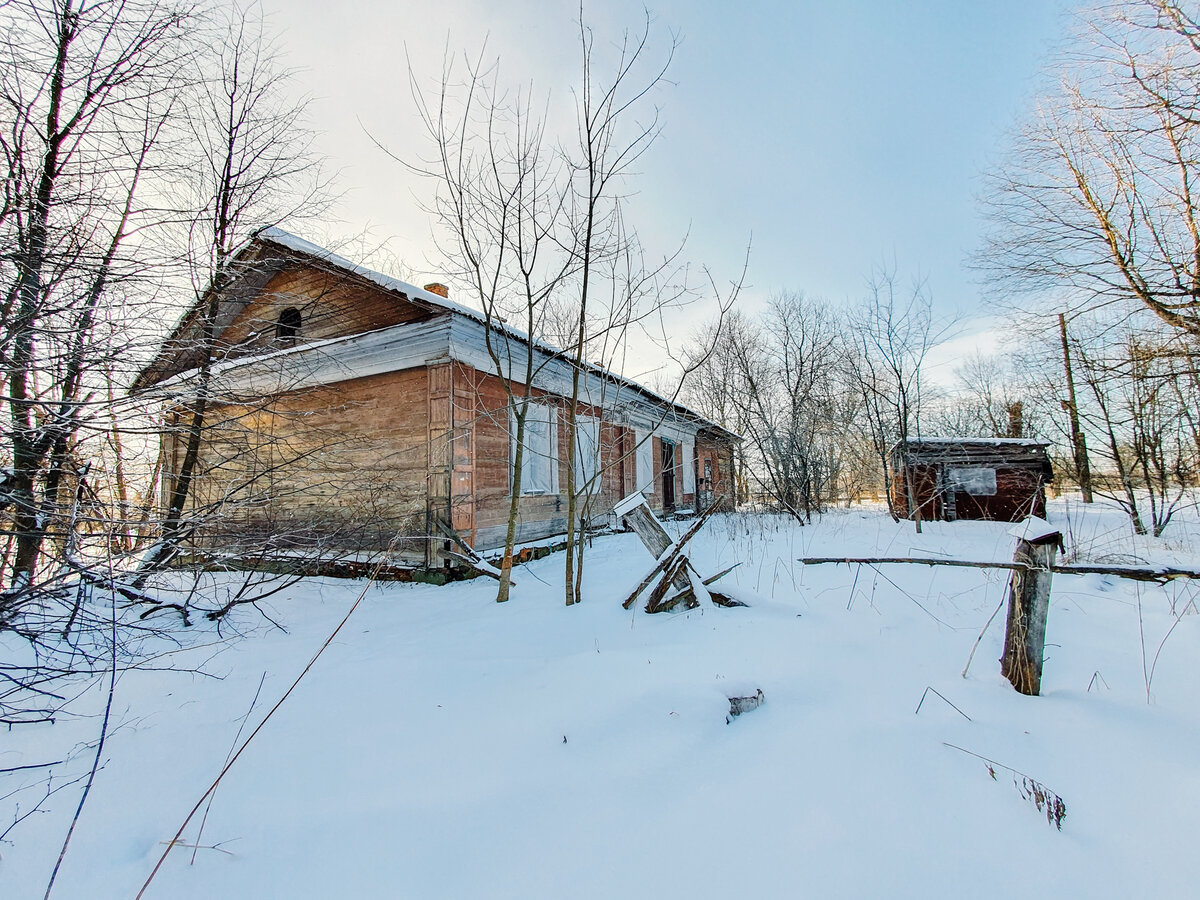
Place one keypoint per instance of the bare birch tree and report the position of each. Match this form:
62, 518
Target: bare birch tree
616, 122
1096, 201
500, 203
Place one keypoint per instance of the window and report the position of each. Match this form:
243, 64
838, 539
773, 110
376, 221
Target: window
539, 462
978, 481
287, 329
645, 461
688, 463
587, 454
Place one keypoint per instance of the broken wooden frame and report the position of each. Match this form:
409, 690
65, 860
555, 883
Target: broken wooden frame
468, 555
672, 567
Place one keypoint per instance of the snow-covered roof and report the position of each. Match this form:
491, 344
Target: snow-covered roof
301, 247
289, 241
990, 442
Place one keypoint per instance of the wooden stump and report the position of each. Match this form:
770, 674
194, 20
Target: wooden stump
1028, 604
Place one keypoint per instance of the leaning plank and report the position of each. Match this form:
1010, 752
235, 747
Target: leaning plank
654, 603
468, 556
648, 528
713, 578
1138, 573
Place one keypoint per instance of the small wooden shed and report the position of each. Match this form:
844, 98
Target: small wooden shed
1002, 479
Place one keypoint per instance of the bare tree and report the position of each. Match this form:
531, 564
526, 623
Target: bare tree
87, 91
610, 138
1097, 196
535, 230
500, 202
780, 379
893, 331
253, 166
991, 399
1138, 403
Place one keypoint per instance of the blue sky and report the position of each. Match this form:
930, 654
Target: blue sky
838, 134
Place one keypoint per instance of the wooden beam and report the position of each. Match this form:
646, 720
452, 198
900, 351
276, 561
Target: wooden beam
1160, 574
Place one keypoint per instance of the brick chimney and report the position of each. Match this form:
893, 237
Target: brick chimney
1016, 419
438, 288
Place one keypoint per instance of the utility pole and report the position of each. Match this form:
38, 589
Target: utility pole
1078, 442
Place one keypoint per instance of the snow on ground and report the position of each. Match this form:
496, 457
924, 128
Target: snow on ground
445, 746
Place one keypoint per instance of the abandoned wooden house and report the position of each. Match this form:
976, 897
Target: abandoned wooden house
353, 412
1002, 479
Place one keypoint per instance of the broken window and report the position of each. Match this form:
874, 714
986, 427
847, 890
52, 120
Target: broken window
287, 329
978, 481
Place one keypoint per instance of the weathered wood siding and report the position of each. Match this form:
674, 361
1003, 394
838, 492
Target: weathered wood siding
539, 515
338, 468
1020, 471
330, 305
393, 426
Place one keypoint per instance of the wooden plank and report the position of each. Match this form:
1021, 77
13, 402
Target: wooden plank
677, 571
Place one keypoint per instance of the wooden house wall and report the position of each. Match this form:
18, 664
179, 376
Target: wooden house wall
331, 304
539, 515
345, 467
349, 465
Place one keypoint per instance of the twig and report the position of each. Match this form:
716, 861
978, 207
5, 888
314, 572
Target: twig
1046, 800
1161, 644
37, 766
919, 604
112, 689
719, 575
50, 792
928, 690
986, 626
853, 586
233, 744
228, 765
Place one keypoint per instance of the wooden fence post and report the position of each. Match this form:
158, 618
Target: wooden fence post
1028, 603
